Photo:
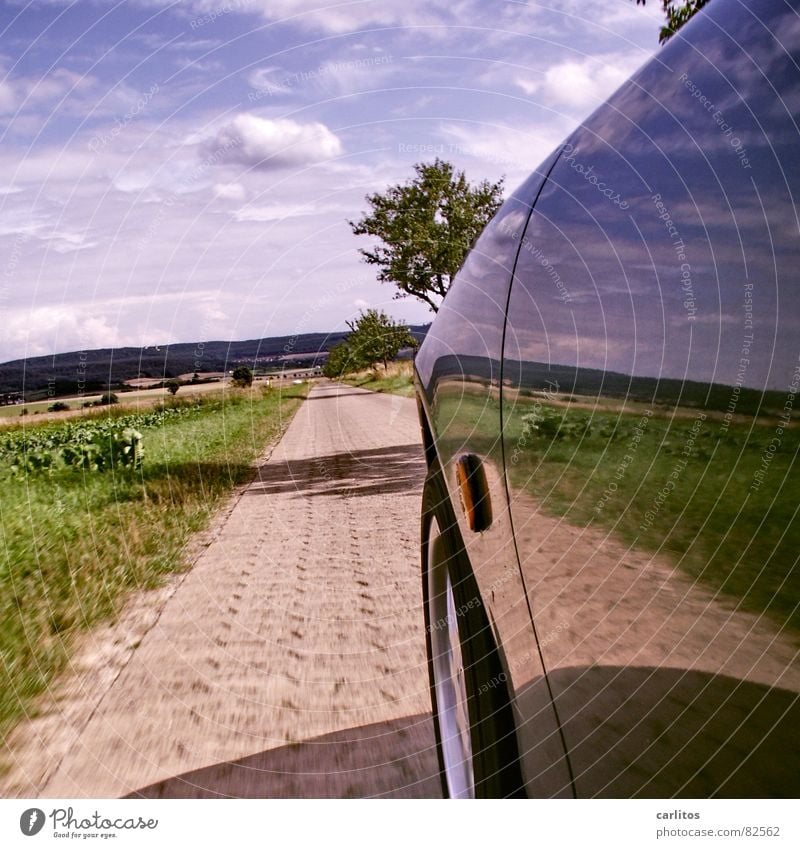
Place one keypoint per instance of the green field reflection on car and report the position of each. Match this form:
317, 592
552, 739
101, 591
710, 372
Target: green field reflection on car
683, 484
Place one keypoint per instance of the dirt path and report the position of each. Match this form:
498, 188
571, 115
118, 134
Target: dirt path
290, 660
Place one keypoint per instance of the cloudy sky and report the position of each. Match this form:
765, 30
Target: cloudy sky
181, 171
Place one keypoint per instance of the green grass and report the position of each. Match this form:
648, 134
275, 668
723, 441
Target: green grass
398, 379
74, 543
713, 522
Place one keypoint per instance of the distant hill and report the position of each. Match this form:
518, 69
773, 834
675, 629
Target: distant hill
594, 382
94, 370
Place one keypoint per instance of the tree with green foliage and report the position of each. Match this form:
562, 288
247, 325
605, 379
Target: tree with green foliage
677, 14
242, 376
339, 361
172, 386
107, 399
375, 337
425, 228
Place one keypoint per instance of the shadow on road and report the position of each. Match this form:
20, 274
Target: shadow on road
672, 732
394, 759
333, 395
380, 471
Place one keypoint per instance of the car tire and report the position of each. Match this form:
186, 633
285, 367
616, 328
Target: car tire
473, 719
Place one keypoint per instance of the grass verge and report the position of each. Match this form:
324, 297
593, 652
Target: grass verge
73, 543
397, 379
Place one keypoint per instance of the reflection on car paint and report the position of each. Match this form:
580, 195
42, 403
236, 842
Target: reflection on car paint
642, 419
655, 494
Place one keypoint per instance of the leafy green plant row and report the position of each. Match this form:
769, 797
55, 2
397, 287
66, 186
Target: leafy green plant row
103, 450
94, 445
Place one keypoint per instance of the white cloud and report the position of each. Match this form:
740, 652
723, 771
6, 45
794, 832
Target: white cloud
30, 91
581, 84
264, 143
8, 98
269, 80
66, 242
488, 152
230, 191
40, 228
280, 211
46, 329
333, 16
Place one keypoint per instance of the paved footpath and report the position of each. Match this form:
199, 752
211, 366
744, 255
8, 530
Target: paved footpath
289, 662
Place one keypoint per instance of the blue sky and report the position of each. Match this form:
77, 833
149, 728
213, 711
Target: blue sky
181, 171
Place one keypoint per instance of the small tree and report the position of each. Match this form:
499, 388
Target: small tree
58, 406
376, 337
426, 228
107, 399
172, 386
339, 361
242, 376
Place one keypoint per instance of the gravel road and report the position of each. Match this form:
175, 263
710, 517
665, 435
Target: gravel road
289, 661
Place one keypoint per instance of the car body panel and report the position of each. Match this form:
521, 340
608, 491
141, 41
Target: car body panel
651, 373
647, 390
458, 368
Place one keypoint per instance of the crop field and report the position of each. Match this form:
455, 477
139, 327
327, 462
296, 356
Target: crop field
136, 398
95, 507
